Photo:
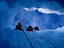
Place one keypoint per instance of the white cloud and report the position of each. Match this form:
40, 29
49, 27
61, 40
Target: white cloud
44, 10
60, 29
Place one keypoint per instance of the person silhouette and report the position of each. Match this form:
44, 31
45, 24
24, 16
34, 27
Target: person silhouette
19, 26
36, 28
29, 28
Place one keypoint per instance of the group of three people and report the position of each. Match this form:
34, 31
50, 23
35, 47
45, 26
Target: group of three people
29, 28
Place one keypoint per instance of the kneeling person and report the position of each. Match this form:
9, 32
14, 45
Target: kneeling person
36, 28
29, 28
19, 26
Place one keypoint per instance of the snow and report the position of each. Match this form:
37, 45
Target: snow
60, 28
44, 10
46, 15
15, 38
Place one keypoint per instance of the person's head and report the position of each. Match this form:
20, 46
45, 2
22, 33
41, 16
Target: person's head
29, 26
18, 23
36, 26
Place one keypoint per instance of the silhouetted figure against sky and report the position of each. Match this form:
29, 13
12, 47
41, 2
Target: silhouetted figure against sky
19, 26
29, 28
36, 28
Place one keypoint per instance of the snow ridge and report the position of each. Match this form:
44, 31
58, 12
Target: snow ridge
44, 10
